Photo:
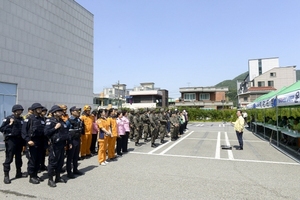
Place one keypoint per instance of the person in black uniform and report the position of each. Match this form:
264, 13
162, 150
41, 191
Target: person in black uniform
43, 167
33, 134
57, 132
75, 126
11, 129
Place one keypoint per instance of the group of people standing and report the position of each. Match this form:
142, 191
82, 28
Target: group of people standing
56, 133
75, 137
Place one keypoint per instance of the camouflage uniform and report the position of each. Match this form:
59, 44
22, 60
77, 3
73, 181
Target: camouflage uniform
138, 128
131, 123
163, 119
153, 128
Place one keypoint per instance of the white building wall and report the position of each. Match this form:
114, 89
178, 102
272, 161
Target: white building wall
46, 48
285, 76
267, 64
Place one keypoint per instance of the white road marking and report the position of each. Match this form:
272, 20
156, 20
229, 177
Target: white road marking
224, 159
173, 145
160, 146
198, 125
218, 147
252, 141
230, 154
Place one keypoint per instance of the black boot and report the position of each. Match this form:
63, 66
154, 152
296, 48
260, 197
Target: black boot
19, 174
33, 179
51, 183
6, 178
59, 179
137, 144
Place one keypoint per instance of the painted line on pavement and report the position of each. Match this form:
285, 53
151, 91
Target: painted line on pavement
223, 159
173, 145
218, 146
230, 154
160, 146
255, 141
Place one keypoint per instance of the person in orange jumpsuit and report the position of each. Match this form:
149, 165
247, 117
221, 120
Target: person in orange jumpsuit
104, 134
86, 138
111, 142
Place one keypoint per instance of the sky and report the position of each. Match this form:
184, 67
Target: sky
189, 43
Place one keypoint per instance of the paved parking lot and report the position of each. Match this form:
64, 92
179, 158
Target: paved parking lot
193, 167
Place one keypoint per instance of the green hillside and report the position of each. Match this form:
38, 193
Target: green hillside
232, 86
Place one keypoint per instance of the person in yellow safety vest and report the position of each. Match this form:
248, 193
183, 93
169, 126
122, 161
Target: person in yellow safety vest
65, 116
86, 139
111, 141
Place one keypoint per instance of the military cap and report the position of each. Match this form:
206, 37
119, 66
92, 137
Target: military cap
17, 107
55, 108
73, 108
44, 109
36, 105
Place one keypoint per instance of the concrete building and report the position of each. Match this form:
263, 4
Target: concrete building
147, 96
264, 76
204, 97
114, 96
46, 53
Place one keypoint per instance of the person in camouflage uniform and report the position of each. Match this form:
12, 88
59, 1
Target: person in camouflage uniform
138, 128
153, 128
174, 126
146, 121
131, 123
163, 119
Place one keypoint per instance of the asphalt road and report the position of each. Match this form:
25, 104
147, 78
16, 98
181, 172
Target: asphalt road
193, 167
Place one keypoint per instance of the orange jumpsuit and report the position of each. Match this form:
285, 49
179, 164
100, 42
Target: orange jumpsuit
112, 139
102, 123
86, 139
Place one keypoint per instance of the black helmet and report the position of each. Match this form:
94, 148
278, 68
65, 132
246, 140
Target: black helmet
36, 105
55, 108
17, 107
44, 109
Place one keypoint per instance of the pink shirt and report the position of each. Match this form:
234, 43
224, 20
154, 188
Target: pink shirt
126, 123
120, 125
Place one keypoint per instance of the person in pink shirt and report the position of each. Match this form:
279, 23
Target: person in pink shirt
127, 131
121, 133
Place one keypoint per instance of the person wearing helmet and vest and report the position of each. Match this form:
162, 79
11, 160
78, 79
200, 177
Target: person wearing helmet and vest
43, 167
86, 138
33, 134
65, 115
58, 133
75, 130
11, 128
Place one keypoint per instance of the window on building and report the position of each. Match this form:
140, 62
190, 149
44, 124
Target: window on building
259, 67
189, 96
273, 74
261, 84
245, 98
271, 83
204, 96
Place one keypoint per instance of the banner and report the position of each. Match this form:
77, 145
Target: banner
291, 98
